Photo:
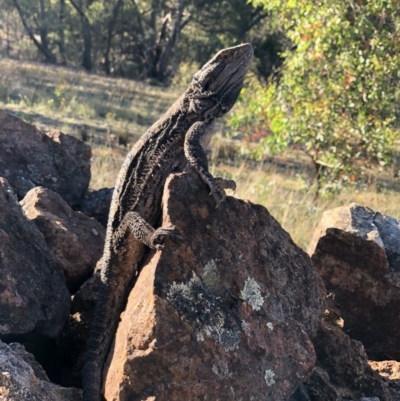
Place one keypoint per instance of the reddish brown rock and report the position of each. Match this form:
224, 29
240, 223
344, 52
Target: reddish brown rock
357, 250
34, 299
227, 315
342, 371
30, 158
22, 378
74, 239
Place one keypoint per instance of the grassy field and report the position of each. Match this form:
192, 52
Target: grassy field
110, 114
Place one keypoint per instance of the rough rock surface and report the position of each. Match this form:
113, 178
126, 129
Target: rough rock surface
23, 379
390, 372
357, 252
30, 158
73, 238
97, 204
342, 371
226, 315
34, 298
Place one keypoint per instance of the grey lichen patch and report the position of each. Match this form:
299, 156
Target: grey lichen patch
251, 293
210, 276
269, 377
229, 339
270, 326
204, 310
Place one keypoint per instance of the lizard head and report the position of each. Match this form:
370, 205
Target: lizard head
216, 86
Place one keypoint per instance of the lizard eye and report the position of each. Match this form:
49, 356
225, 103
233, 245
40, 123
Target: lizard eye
207, 85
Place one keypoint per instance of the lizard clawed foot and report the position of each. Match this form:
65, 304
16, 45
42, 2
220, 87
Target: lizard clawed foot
157, 238
217, 192
226, 184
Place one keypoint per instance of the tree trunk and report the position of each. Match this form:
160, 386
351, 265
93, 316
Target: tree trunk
87, 45
111, 26
61, 36
43, 44
87, 38
165, 57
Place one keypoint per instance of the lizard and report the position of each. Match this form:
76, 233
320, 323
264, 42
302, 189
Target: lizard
173, 143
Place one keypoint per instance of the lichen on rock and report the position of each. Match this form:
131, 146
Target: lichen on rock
251, 293
198, 304
269, 377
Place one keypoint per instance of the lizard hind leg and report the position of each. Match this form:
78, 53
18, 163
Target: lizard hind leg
144, 232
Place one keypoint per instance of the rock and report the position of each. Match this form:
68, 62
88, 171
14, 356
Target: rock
74, 239
369, 399
22, 378
387, 369
29, 158
301, 394
320, 388
227, 315
390, 372
34, 299
357, 252
97, 204
342, 370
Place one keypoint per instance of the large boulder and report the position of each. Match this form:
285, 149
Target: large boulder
357, 252
23, 379
34, 299
30, 158
75, 240
227, 315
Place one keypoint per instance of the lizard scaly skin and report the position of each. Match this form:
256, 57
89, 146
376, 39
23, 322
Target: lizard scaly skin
176, 141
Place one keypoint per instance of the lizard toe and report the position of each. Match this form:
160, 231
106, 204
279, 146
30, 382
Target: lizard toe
161, 233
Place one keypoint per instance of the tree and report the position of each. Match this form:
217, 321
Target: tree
337, 97
36, 21
132, 38
86, 33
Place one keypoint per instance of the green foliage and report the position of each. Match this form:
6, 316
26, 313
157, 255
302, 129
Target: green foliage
129, 38
337, 97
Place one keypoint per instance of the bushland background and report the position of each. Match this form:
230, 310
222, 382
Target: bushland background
316, 126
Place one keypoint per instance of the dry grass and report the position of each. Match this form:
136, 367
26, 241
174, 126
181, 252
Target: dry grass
97, 108
111, 114
290, 199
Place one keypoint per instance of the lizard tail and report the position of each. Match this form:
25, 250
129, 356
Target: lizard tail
105, 321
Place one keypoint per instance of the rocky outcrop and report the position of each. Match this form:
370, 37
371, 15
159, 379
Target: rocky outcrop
357, 252
30, 158
97, 204
74, 239
22, 378
342, 371
226, 315
34, 299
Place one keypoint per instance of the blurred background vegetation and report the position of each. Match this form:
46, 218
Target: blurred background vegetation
316, 126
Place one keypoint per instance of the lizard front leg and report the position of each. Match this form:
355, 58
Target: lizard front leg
196, 139
144, 232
